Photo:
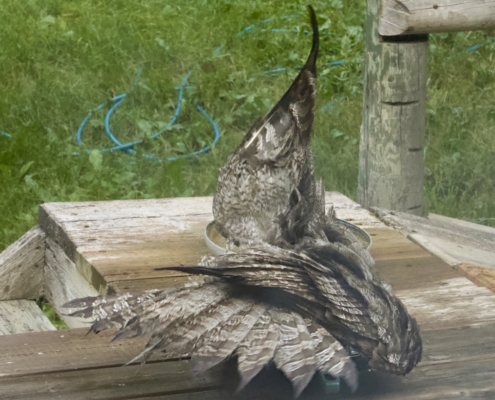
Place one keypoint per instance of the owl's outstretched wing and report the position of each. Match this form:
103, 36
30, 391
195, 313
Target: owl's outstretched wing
215, 321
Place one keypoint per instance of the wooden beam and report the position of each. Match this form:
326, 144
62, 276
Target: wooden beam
456, 362
116, 245
453, 240
399, 17
451, 303
391, 160
21, 267
63, 283
155, 381
22, 316
478, 275
66, 350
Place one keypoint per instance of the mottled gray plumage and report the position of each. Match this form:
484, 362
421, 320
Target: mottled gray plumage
273, 159
300, 292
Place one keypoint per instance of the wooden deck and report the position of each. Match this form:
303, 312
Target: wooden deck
82, 249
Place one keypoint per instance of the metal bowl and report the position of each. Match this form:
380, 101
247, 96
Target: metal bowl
216, 242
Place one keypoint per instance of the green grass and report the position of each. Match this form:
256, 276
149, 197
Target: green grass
60, 59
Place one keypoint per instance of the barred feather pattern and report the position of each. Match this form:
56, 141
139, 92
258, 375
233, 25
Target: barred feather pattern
339, 290
257, 348
274, 158
215, 323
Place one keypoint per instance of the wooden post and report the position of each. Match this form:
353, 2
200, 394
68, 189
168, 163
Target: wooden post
391, 161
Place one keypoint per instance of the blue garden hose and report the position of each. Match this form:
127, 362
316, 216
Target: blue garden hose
128, 147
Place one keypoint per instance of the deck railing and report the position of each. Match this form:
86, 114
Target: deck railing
391, 160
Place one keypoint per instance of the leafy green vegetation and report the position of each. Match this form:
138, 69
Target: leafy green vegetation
60, 59
52, 315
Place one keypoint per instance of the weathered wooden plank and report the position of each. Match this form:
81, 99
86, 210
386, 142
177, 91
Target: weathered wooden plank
399, 17
71, 365
21, 267
56, 218
415, 272
152, 208
478, 275
455, 252
117, 244
427, 244
64, 283
458, 380
131, 258
456, 364
475, 229
129, 268
391, 245
65, 350
80, 220
452, 240
350, 211
117, 209
21, 316
391, 164
444, 381
73, 349
451, 229
454, 302
169, 380
134, 285
168, 248
432, 290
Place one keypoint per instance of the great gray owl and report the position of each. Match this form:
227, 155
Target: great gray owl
300, 292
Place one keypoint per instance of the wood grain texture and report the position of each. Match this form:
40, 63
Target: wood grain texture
116, 245
415, 272
64, 283
453, 240
399, 17
22, 316
391, 245
478, 275
455, 253
434, 292
391, 162
168, 380
119, 249
21, 267
350, 211
65, 350
454, 302
71, 365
